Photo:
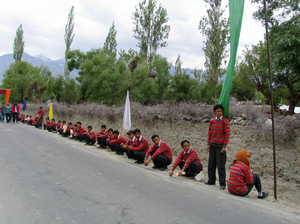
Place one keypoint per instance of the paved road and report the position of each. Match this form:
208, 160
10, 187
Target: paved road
45, 178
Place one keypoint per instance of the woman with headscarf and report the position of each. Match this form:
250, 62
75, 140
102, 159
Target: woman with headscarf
242, 179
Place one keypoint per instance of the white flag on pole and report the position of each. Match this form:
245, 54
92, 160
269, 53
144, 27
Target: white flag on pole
127, 116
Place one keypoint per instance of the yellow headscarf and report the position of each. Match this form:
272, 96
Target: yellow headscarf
241, 156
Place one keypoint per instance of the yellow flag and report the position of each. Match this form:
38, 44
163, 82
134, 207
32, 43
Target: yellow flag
50, 112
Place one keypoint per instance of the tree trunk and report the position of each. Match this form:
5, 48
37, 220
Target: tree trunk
292, 107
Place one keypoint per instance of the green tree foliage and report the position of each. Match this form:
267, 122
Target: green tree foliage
69, 36
285, 50
102, 78
150, 27
216, 30
243, 88
19, 44
110, 44
283, 20
182, 86
25, 80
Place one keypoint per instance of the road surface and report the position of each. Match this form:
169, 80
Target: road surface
45, 178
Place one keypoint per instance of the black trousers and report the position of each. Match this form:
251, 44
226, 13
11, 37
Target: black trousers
216, 159
161, 161
80, 137
29, 123
60, 131
256, 182
101, 141
39, 123
192, 169
139, 155
110, 146
51, 129
8, 117
89, 141
66, 134
15, 117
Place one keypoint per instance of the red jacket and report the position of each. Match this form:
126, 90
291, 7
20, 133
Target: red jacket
188, 157
140, 145
13, 109
130, 141
47, 123
162, 149
80, 131
102, 134
30, 120
53, 124
218, 132
93, 136
41, 113
119, 140
239, 177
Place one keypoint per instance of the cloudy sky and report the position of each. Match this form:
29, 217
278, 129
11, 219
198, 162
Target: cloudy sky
44, 23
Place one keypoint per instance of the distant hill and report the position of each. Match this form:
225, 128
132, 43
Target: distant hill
55, 66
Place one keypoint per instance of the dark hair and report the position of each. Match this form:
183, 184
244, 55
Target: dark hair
90, 127
136, 130
116, 132
110, 130
79, 122
103, 126
64, 122
218, 106
154, 136
53, 119
59, 121
41, 107
184, 141
70, 123
129, 132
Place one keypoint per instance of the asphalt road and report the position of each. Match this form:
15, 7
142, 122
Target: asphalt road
45, 178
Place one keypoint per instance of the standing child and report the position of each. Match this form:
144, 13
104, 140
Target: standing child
217, 140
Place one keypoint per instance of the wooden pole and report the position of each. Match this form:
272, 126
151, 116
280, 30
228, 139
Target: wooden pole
272, 102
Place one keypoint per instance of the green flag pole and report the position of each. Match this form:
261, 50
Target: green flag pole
236, 9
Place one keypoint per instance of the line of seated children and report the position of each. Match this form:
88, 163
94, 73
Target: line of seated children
115, 143
79, 131
68, 131
58, 126
52, 125
63, 127
139, 147
90, 136
46, 123
102, 136
30, 120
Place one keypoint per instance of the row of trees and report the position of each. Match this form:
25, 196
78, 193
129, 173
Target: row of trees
106, 74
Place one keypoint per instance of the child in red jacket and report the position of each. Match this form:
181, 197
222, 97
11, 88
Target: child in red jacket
217, 140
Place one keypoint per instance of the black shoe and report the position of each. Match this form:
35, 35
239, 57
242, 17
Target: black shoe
162, 168
265, 194
155, 167
208, 183
139, 162
222, 187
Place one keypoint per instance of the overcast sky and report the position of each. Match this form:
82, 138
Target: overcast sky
44, 26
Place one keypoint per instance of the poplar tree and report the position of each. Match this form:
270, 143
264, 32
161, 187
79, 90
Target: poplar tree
110, 44
69, 36
216, 30
150, 27
18, 44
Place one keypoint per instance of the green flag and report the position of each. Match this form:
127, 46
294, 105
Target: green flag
236, 9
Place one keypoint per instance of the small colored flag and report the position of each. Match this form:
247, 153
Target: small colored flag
50, 112
127, 116
24, 105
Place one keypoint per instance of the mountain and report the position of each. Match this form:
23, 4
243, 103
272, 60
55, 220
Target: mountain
55, 66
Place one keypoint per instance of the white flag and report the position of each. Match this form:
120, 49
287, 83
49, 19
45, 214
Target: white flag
127, 116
